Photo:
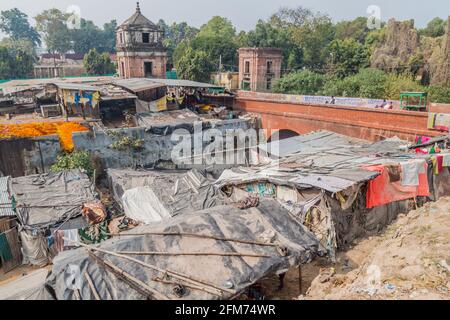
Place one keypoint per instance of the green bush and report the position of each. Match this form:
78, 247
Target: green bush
438, 94
396, 84
75, 160
368, 83
300, 82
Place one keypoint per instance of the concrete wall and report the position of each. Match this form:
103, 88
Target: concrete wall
157, 149
20, 157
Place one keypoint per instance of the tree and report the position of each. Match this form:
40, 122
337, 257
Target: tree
356, 29
176, 34
89, 36
194, 65
98, 63
15, 24
53, 24
15, 63
346, 57
435, 28
216, 39
109, 36
218, 27
309, 32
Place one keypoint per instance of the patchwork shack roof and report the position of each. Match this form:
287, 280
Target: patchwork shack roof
137, 84
322, 159
47, 200
155, 195
281, 244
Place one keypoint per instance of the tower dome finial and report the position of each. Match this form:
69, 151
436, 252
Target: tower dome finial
138, 9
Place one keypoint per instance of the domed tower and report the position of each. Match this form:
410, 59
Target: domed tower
140, 51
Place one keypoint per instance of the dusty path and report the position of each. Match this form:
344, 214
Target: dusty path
409, 260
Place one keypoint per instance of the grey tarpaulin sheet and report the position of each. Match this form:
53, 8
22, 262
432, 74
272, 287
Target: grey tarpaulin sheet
28, 287
47, 199
174, 190
269, 222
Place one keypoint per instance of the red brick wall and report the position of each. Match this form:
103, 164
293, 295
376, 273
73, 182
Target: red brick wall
134, 66
258, 58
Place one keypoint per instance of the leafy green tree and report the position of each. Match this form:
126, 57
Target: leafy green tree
98, 63
86, 38
435, 28
218, 27
346, 57
52, 24
301, 82
109, 37
356, 29
217, 40
176, 34
15, 63
89, 36
15, 24
310, 34
194, 65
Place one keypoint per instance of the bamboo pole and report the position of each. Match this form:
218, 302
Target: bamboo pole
91, 286
224, 254
300, 278
172, 273
130, 279
194, 235
185, 285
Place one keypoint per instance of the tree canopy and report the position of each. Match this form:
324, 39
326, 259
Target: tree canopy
15, 24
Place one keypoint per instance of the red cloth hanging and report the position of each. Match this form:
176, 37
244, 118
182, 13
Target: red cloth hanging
382, 191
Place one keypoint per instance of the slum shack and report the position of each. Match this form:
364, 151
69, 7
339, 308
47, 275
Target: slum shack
49, 207
151, 96
341, 188
99, 101
217, 253
10, 253
150, 196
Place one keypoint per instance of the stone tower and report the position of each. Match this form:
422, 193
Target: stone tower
140, 51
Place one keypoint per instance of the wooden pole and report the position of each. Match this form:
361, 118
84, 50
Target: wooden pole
170, 272
185, 285
91, 286
300, 278
224, 254
135, 283
194, 235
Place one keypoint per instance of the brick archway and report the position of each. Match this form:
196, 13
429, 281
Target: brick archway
282, 134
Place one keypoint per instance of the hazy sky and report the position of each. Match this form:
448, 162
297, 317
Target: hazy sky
243, 13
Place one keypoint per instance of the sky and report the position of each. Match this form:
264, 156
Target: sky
243, 13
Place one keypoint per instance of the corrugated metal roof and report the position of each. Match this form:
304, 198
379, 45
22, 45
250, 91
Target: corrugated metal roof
184, 83
137, 85
5, 201
76, 86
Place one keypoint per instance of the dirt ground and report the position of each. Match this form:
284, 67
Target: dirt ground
409, 260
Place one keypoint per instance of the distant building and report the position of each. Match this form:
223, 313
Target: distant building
59, 65
140, 51
259, 68
228, 80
